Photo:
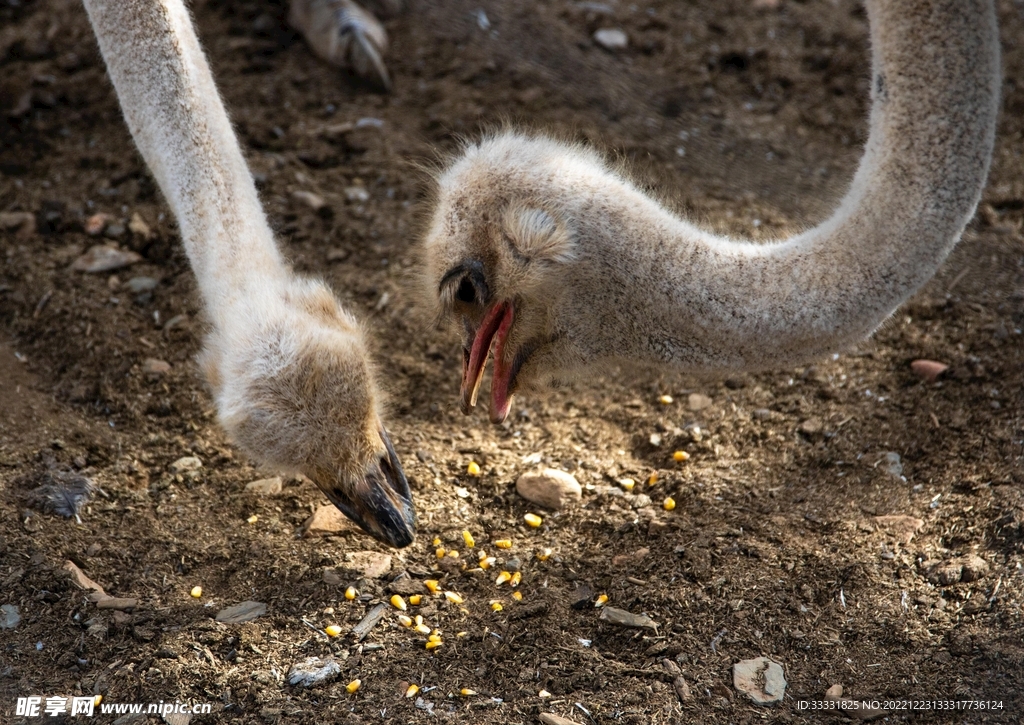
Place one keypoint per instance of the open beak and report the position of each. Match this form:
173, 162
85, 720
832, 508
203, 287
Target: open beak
380, 502
494, 328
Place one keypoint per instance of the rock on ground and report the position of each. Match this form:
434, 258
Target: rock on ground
242, 612
761, 679
265, 486
313, 671
551, 488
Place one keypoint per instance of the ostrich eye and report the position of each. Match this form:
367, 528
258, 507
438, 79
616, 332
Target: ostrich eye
466, 292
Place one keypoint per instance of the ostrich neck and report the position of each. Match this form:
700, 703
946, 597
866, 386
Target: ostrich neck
179, 123
699, 301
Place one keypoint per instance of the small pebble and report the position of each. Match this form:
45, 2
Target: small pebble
611, 39
103, 258
697, 401
309, 199
761, 679
265, 486
928, 370
551, 488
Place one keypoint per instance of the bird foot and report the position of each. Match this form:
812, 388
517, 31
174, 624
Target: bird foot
345, 35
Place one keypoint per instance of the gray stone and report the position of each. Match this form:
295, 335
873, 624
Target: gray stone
369, 564
138, 285
627, 619
697, 401
186, 465
9, 617
761, 679
103, 258
313, 671
611, 39
265, 486
974, 568
551, 488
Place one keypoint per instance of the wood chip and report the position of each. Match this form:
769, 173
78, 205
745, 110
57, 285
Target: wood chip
903, 527
627, 619
118, 603
243, 612
528, 611
313, 671
368, 622
103, 258
80, 580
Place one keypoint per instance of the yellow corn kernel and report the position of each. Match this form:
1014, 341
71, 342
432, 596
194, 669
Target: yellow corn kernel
353, 686
487, 562
473, 469
437, 541
680, 456
412, 690
544, 554
422, 629
432, 644
418, 620
433, 585
398, 603
97, 700
665, 399
453, 597
466, 692
652, 479
518, 596
516, 578
440, 552
415, 599
503, 543
435, 636
453, 553
601, 601
196, 592
468, 538
496, 606
253, 519
627, 483
502, 578
669, 503
351, 593
333, 630
533, 520
404, 620
544, 694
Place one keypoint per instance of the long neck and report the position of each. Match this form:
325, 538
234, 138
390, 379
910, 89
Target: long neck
179, 123
699, 301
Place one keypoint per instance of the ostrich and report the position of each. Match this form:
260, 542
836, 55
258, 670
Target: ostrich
293, 381
541, 250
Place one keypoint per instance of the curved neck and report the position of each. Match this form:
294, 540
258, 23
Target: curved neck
700, 301
179, 123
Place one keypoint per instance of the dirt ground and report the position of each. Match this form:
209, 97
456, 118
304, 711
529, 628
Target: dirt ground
744, 115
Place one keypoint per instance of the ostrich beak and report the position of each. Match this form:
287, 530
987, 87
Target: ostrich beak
380, 502
494, 328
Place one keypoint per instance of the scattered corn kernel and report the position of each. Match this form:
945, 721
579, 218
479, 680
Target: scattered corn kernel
328, 610
422, 629
473, 469
496, 606
487, 562
453, 598
412, 690
415, 599
466, 692
461, 634
665, 399
680, 456
516, 578
97, 700
435, 636
433, 643
502, 578
533, 520
404, 620
196, 592
433, 585
353, 686
468, 538
440, 552
253, 519
518, 596
669, 503
419, 620
627, 483
652, 479
437, 541
544, 554
544, 694
351, 593
601, 601
398, 603
333, 630
453, 553
503, 543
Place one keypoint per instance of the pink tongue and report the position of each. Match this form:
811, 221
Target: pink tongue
501, 401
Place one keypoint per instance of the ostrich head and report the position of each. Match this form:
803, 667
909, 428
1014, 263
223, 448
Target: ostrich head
501, 258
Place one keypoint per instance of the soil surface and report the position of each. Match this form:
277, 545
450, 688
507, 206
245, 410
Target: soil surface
857, 524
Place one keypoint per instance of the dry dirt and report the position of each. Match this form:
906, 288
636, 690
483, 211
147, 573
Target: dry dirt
745, 116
